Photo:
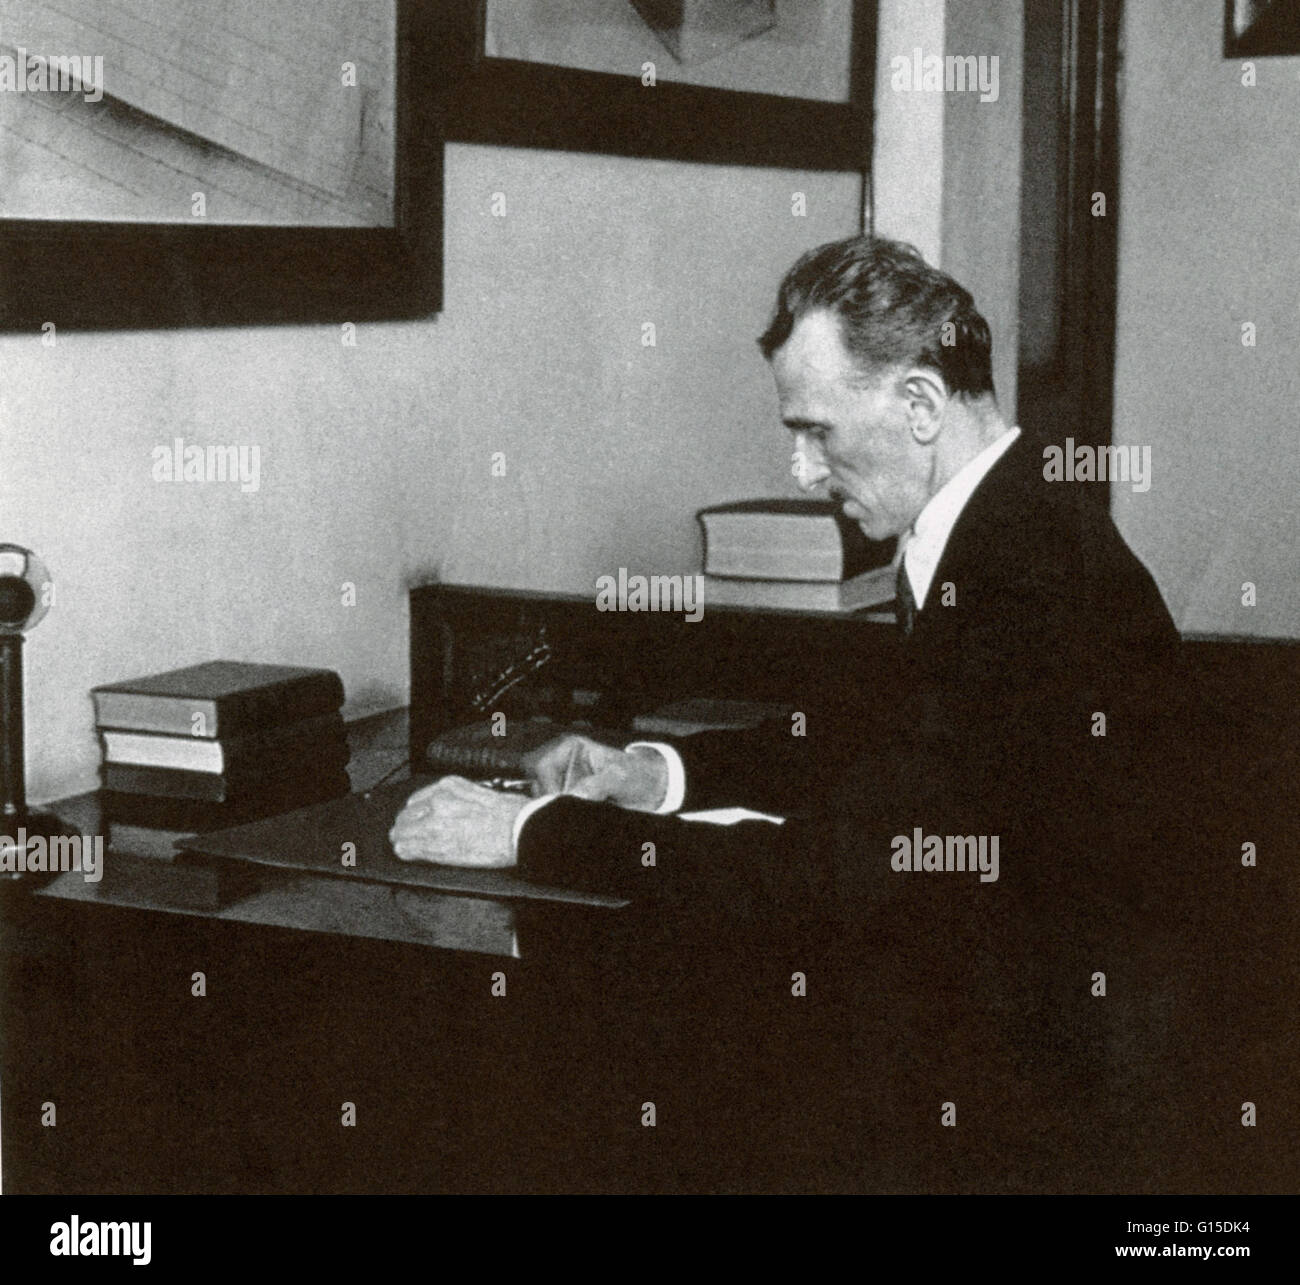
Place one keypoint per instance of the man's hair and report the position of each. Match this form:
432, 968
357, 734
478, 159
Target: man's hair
892, 307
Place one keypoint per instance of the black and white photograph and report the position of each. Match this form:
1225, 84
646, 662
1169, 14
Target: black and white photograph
648, 598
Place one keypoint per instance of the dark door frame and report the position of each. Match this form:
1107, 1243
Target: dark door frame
1072, 394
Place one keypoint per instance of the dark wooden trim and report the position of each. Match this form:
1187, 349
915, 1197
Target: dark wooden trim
1072, 393
521, 104
109, 275
1092, 242
1274, 32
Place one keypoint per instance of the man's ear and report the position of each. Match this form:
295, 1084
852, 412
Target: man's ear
926, 398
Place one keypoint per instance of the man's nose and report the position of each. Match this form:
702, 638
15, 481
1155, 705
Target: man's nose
809, 468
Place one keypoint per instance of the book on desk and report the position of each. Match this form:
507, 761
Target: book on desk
794, 555
221, 732
214, 745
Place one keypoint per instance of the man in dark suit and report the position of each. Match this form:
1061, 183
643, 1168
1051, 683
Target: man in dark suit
1016, 722
1025, 615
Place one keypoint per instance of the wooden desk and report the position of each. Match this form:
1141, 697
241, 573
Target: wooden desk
632, 662
240, 1088
469, 1071
317, 994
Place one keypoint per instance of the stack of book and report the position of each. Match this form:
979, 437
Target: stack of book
799, 555
216, 745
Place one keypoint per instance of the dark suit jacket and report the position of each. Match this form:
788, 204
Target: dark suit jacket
1039, 622
987, 721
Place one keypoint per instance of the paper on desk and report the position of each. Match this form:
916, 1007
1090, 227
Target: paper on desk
730, 816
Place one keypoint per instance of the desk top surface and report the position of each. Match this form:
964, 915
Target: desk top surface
454, 909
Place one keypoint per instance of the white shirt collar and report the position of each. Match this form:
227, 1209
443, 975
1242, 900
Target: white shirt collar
923, 545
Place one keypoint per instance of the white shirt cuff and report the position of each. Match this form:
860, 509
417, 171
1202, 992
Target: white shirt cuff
676, 794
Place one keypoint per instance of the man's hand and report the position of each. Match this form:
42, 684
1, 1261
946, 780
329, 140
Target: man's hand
457, 823
636, 779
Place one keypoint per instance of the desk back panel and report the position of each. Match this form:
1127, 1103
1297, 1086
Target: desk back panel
462, 637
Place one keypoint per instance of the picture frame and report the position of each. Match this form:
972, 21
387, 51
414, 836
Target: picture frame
1261, 28
100, 274
523, 102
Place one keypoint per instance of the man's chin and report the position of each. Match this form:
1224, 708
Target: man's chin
855, 512
870, 525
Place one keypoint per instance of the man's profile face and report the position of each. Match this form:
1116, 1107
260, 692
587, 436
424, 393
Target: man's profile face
852, 438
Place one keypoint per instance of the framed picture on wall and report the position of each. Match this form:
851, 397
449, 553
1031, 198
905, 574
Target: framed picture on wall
167, 162
784, 83
1260, 28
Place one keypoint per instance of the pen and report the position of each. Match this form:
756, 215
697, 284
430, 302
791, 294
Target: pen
568, 768
509, 785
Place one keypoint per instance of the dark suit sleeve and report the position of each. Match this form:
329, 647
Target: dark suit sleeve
749, 868
779, 766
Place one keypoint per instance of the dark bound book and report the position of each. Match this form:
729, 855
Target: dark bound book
230, 754
196, 816
250, 779
473, 751
218, 698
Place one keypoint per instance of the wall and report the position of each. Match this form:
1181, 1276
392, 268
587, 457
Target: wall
981, 193
946, 171
1209, 214
907, 169
376, 462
